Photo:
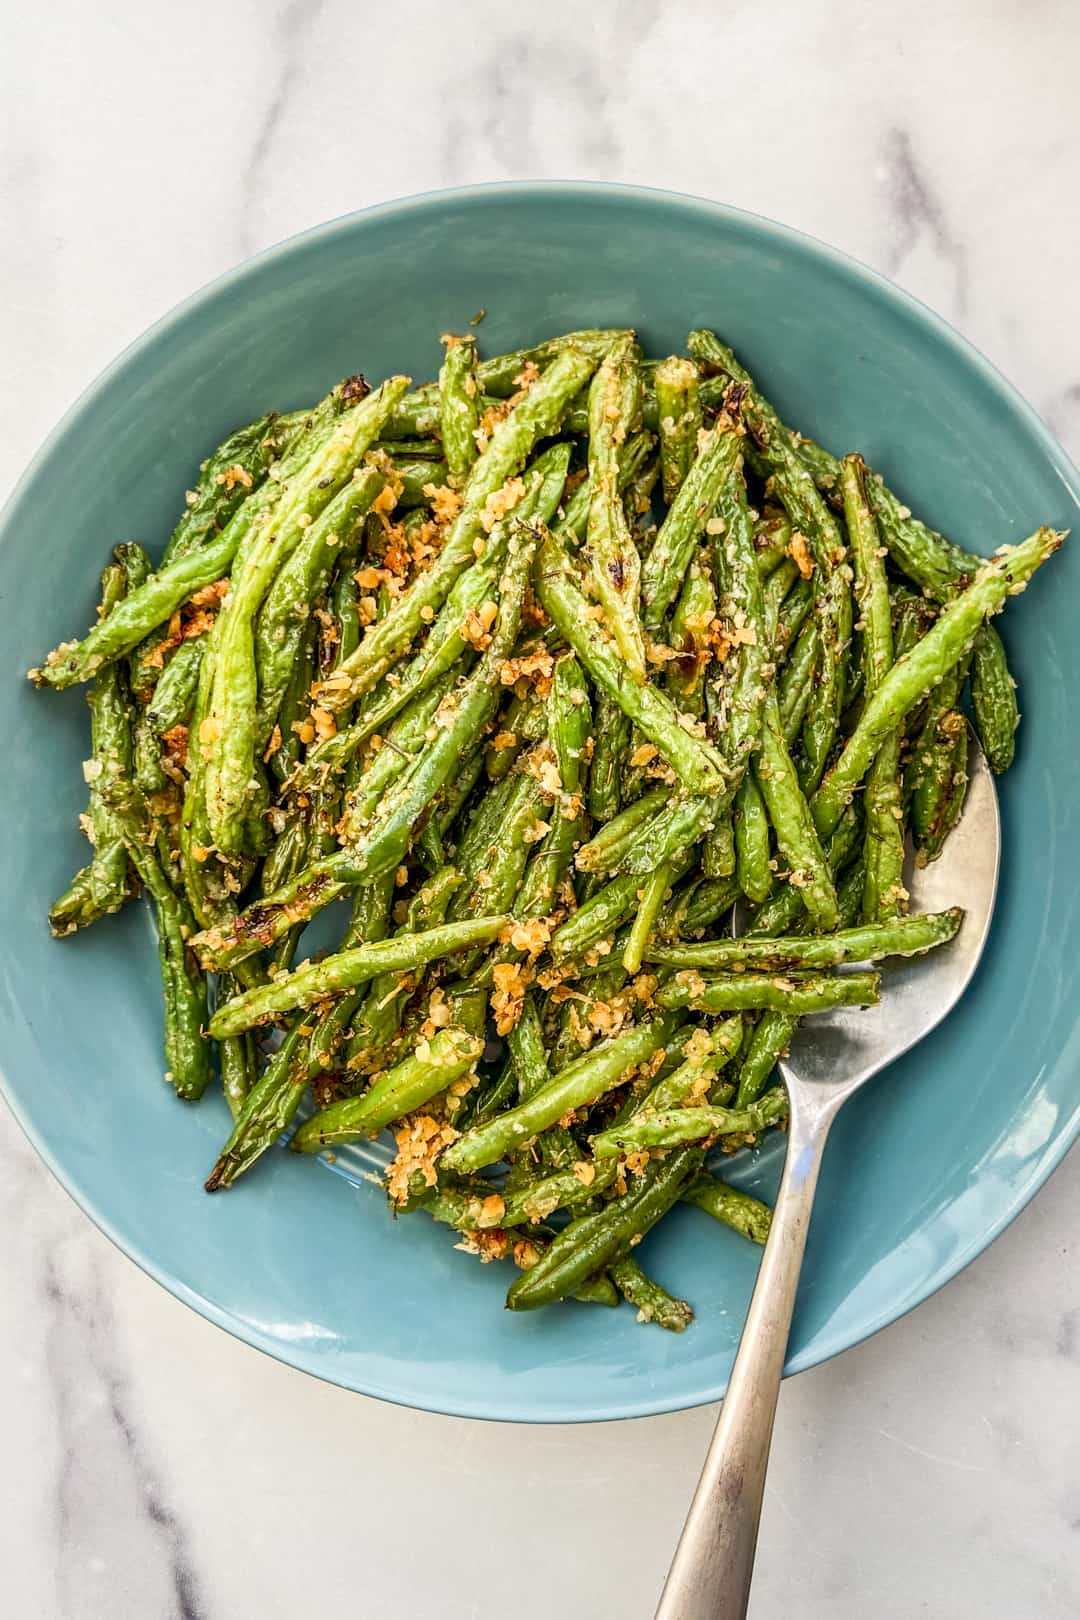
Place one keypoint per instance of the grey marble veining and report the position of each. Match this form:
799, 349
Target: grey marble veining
154, 1469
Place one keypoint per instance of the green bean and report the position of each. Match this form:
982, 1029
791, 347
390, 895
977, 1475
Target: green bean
614, 565
481, 831
602, 852
571, 722
576, 1086
501, 375
525, 1042
386, 840
752, 842
590, 1243
143, 664
942, 569
665, 567
599, 917
708, 1052
238, 466
612, 744
187, 1052
934, 563
268, 1110
748, 991
543, 486
369, 922
902, 936
444, 647
772, 537
472, 1211
459, 406
429, 846
678, 1125
739, 704
237, 1058
993, 700
346, 969
670, 832
281, 620
936, 776
239, 1071
434, 1065
345, 607
796, 835
174, 693
733, 1207
678, 411
690, 624
796, 684
709, 902
784, 911
537, 416
655, 890
795, 487
884, 889
159, 597
944, 645
104, 884
652, 1302
231, 724
768, 1043
692, 758
383, 1003
718, 854
773, 594
496, 883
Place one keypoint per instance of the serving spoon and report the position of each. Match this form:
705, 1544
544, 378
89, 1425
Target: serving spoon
832, 1055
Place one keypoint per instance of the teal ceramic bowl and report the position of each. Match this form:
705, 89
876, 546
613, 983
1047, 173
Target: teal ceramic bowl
924, 1168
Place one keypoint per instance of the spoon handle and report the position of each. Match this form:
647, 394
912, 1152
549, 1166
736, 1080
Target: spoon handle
713, 1565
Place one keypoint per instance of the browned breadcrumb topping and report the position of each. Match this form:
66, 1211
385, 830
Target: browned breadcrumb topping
585, 1172
446, 503
419, 1140
528, 374
799, 551
193, 619
236, 474
508, 996
644, 754
503, 740
438, 1013
210, 595
488, 1246
500, 502
526, 1254
533, 669
489, 421
476, 629
324, 723
531, 937
175, 744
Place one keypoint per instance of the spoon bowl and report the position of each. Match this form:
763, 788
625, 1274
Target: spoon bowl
831, 1056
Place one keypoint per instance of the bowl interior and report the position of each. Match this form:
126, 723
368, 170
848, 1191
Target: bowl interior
925, 1166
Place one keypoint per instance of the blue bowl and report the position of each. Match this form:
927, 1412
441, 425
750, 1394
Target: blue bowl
924, 1168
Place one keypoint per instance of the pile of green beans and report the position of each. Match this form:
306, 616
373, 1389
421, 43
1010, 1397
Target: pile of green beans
541, 668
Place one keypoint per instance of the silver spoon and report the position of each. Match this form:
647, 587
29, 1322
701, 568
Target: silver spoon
831, 1056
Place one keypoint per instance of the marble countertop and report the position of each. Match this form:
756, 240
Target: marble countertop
154, 1469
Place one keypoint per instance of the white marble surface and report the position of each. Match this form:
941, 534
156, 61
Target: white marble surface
153, 1469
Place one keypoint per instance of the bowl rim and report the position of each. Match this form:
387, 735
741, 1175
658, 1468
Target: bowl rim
966, 352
